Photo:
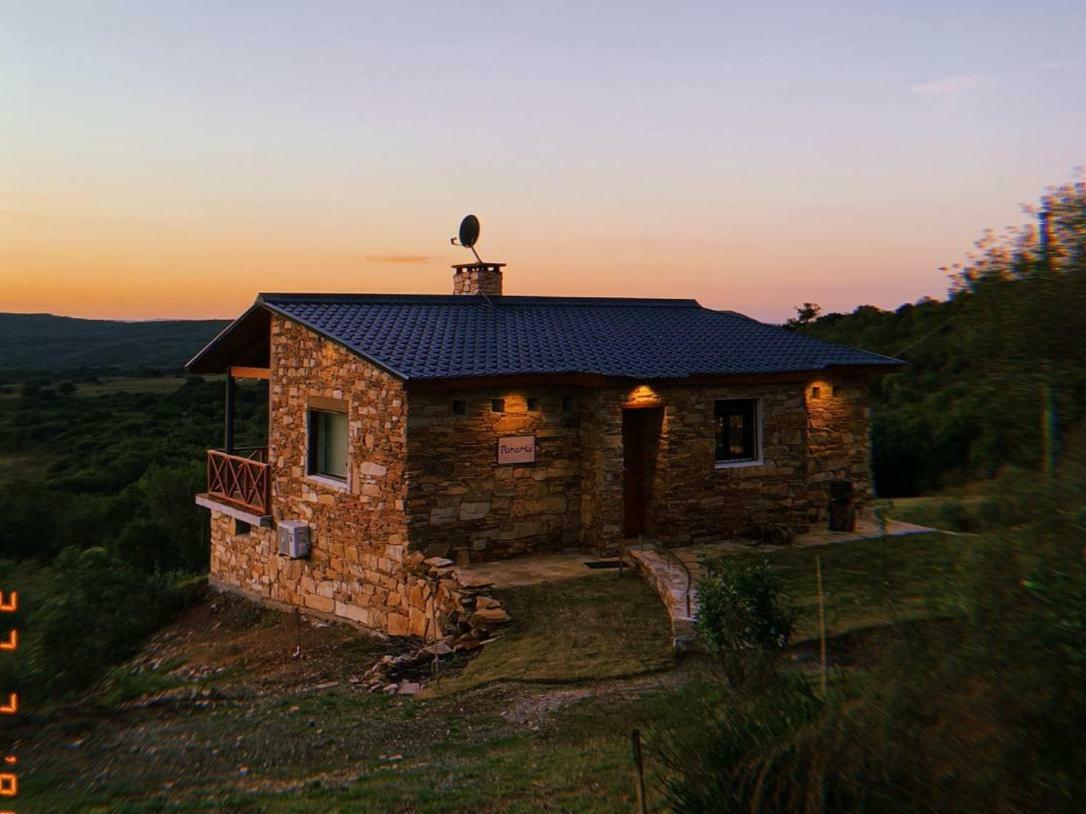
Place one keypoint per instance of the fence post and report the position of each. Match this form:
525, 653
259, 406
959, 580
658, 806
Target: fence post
821, 624
635, 736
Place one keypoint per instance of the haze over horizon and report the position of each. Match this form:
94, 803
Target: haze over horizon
171, 161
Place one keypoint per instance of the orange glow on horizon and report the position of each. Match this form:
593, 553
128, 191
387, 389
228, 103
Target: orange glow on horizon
124, 270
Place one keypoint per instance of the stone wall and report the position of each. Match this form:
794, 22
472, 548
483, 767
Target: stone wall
358, 530
434, 599
462, 504
839, 439
601, 469
697, 500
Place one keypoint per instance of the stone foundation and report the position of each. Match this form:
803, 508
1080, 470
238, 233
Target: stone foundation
433, 600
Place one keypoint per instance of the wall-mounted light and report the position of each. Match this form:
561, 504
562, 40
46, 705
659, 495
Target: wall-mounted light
642, 396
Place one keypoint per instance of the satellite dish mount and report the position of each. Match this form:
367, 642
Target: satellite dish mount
469, 235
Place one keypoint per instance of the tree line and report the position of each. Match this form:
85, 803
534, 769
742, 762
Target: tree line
997, 372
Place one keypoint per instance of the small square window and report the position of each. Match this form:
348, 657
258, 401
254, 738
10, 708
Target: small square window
816, 392
533, 404
459, 407
737, 430
833, 389
497, 405
328, 444
567, 404
241, 527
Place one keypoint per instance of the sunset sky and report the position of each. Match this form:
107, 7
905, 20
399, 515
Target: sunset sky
173, 159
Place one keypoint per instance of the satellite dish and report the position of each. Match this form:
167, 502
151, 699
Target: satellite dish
469, 234
469, 231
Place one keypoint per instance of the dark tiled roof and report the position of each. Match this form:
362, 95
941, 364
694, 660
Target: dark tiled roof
445, 337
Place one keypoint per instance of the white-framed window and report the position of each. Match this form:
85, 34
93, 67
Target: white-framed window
738, 431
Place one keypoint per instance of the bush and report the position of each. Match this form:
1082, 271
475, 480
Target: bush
99, 611
717, 735
743, 613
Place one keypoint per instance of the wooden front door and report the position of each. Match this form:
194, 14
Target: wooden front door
640, 440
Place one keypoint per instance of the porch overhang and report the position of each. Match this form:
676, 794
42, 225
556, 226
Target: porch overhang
244, 344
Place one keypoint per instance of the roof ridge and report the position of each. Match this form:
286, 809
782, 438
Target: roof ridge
461, 299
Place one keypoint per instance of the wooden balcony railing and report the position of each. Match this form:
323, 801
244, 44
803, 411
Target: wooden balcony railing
242, 478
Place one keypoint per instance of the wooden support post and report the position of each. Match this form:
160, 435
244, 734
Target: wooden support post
228, 433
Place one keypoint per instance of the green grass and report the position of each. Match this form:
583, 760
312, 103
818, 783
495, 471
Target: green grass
582, 772
590, 628
948, 512
869, 582
124, 684
109, 385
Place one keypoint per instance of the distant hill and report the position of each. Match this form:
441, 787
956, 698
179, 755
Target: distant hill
44, 342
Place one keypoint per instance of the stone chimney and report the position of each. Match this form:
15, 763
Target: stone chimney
478, 278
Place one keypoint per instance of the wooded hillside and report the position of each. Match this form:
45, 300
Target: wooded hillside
994, 369
43, 342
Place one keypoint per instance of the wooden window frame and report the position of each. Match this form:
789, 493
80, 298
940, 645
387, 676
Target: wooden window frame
756, 439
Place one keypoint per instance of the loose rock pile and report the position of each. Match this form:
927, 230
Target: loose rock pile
466, 615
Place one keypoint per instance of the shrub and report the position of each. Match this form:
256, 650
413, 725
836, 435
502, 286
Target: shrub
99, 611
743, 613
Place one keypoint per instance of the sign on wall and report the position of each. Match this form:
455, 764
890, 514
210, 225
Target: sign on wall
516, 449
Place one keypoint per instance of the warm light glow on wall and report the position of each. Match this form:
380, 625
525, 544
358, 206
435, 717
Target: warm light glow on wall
642, 396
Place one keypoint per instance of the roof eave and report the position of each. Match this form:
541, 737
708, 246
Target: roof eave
193, 365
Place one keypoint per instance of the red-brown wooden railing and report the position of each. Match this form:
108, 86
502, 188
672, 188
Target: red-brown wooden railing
242, 478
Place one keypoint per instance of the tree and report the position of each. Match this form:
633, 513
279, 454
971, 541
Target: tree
805, 315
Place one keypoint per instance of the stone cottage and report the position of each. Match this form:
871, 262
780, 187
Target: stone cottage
409, 434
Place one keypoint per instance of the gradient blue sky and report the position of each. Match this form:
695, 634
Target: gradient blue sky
172, 159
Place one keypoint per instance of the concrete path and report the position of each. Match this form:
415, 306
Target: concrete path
535, 568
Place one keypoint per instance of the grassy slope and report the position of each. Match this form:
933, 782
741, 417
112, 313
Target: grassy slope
494, 739
584, 629
869, 582
504, 747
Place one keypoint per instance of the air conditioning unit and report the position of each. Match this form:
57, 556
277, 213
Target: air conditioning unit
293, 539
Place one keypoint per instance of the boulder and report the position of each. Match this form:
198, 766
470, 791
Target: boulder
489, 618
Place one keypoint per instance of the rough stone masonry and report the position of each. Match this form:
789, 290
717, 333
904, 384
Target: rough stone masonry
425, 493
423, 480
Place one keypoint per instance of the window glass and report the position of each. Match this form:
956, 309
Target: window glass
737, 430
328, 444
